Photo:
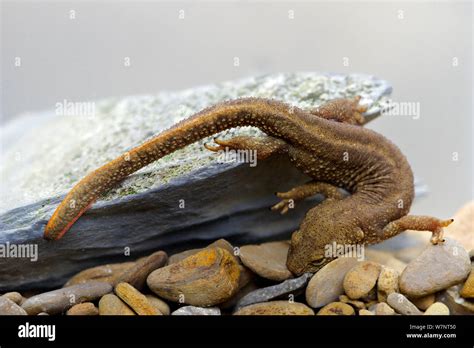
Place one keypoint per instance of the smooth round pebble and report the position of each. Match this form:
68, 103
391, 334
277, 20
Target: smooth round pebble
137, 274
437, 308
467, 290
361, 279
402, 305
326, 285
276, 308
8, 307
365, 312
204, 279
86, 308
383, 309
111, 304
438, 267
15, 297
135, 299
353, 303
220, 243
336, 308
387, 283
424, 302
104, 273
268, 260
57, 301
159, 304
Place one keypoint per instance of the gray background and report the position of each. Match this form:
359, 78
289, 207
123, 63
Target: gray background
82, 59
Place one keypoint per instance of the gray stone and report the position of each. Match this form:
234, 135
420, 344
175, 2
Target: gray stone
192, 310
438, 267
290, 286
143, 212
402, 305
8, 307
57, 301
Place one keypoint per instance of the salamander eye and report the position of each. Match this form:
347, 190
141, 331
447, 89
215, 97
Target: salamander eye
318, 262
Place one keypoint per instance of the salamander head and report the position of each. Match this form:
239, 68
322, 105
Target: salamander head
305, 255
315, 245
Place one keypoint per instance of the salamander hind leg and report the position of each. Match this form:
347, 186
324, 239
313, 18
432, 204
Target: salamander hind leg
263, 146
304, 191
417, 223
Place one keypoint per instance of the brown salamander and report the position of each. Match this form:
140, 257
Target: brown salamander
327, 143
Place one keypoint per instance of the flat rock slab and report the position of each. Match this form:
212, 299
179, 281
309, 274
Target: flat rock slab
145, 213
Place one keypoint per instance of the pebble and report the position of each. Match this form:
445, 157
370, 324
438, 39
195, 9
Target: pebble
268, 260
365, 312
467, 290
383, 309
290, 286
436, 268
387, 283
386, 259
138, 273
112, 305
457, 305
275, 308
204, 279
57, 301
424, 302
326, 285
135, 299
353, 303
104, 273
8, 307
402, 305
86, 308
220, 243
192, 310
336, 308
14, 296
159, 304
437, 308
361, 279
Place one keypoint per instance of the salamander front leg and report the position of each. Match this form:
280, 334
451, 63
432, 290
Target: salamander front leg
304, 191
417, 223
263, 146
